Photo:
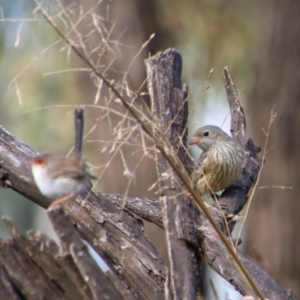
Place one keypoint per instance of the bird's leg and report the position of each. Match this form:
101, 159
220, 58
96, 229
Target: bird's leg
62, 199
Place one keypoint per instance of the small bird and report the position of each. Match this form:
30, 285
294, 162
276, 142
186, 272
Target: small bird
220, 162
60, 178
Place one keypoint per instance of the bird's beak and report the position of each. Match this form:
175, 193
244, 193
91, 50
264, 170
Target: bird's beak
194, 141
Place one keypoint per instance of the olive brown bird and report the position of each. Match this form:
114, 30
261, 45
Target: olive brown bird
220, 162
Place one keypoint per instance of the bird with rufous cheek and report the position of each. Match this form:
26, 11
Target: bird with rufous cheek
60, 178
220, 162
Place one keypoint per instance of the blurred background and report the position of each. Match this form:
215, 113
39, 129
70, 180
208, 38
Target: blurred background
42, 81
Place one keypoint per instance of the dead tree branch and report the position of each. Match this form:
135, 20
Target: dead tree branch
116, 235
219, 260
38, 269
169, 108
233, 200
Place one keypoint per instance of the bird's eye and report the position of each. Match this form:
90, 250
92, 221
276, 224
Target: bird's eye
206, 133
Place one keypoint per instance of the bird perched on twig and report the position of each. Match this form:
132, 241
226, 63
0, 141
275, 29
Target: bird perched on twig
220, 162
60, 178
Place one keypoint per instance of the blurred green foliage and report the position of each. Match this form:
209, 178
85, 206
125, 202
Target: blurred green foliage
209, 34
213, 34
31, 52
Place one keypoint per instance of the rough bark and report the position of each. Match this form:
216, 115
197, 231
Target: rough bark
38, 269
113, 233
169, 108
220, 261
233, 199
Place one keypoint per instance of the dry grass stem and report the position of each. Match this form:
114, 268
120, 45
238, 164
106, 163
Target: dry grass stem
267, 134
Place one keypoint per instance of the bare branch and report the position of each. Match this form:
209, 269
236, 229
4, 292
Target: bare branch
37, 268
219, 259
92, 276
147, 209
238, 121
233, 200
170, 113
107, 228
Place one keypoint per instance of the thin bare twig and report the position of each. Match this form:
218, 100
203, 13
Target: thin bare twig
267, 133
